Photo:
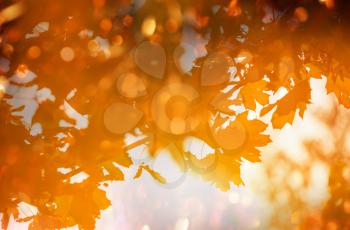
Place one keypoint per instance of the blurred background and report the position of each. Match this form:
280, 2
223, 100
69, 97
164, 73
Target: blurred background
302, 181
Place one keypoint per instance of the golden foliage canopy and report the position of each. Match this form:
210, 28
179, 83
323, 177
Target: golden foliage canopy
79, 76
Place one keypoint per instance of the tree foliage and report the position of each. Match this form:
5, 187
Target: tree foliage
79, 76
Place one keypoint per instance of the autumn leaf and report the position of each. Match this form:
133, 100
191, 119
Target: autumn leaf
240, 139
114, 173
87, 205
226, 171
297, 98
63, 205
340, 87
253, 92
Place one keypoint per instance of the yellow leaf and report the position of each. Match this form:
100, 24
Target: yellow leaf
100, 198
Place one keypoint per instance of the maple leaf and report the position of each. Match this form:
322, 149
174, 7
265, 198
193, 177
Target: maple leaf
239, 139
65, 211
222, 102
225, 172
340, 86
296, 99
253, 92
